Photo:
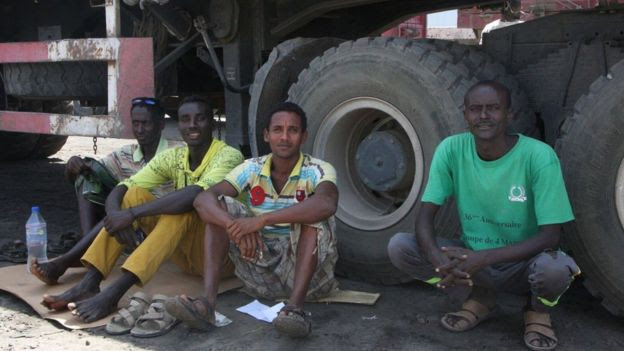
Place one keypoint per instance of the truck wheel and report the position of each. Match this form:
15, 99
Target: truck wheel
377, 109
56, 80
483, 67
592, 154
273, 79
17, 146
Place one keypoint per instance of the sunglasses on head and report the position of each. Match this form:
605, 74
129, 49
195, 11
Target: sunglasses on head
144, 101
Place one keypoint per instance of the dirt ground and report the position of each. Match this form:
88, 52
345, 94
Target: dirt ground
405, 317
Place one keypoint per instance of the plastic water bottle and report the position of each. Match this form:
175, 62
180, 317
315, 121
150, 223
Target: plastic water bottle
36, 237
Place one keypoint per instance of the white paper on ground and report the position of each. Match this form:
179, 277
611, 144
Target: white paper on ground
221, 320
261, 311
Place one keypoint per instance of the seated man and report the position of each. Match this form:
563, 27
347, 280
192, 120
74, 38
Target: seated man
171, 226
281, 240
511, 202
94, 182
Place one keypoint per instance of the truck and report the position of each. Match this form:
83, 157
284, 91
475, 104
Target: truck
377, 106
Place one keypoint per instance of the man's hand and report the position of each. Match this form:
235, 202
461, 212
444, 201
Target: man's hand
447, 267
240, 227
471, 262
75, 166
251, 246
118, 220
127, 237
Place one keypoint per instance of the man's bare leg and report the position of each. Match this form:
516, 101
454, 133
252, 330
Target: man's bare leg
216, 245
104, 303
291, 320
87, 287
90, 213
305, 266
49, 272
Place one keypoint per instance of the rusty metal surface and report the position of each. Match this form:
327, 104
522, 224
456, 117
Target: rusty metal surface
60, 124
132, 75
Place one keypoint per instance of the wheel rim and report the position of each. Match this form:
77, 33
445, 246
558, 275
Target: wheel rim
619, 193
336, 142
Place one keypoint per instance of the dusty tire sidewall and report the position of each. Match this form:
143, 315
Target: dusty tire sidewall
391, 76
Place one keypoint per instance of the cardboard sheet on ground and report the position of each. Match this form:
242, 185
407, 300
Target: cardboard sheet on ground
169, 281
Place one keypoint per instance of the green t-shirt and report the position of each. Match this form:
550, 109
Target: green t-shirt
500, 202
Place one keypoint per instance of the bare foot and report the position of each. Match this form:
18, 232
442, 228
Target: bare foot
94, 308
48, 272
86, 288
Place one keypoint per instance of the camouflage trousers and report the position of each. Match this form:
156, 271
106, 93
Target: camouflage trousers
272, 276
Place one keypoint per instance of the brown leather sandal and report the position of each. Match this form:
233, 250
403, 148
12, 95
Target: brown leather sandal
538, 326
472, 311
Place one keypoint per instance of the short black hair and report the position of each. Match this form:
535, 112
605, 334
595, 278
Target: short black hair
197, 99
500, 88
288, 106
157, 112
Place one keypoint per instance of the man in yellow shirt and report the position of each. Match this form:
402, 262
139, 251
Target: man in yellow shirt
172, 228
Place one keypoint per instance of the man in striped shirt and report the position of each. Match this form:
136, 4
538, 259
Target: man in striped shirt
94, 180
281, 238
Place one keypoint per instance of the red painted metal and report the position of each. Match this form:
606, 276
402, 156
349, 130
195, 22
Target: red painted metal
132, 68
414, 28
31, 122
136, 76
477, 18
23, 52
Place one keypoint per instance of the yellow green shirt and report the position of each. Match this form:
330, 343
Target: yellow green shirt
253, 178
173, 165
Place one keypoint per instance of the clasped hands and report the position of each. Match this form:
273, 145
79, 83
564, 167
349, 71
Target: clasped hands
245, 233
458, 265
119, 225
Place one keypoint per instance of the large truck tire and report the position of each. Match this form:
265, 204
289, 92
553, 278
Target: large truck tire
56, 80
274, 78
483, 67
18, 146
377, 108
591, 148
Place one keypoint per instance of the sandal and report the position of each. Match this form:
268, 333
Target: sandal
292, 321
157, 321
14, 251
124, 320
64, 243
538, 326
472, 311
183, 308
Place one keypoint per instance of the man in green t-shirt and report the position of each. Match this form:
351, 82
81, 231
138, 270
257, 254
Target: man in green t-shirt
511, 202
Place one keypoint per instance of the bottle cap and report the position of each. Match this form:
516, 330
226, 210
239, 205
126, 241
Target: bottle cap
35, 209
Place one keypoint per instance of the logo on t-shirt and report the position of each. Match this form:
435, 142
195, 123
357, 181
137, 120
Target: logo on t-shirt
517, 193
300, 195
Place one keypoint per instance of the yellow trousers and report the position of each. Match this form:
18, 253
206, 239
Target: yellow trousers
177, 237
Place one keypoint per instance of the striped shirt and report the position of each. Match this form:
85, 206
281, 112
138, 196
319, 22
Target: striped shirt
253, 178
173, 165
129, 159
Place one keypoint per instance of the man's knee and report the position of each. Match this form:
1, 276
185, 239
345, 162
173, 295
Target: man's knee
136, 196
551, 274
400, 246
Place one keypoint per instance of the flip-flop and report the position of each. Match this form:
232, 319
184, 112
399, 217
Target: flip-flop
64, 243
124, 320
156, 321
540, 325
14, 251
292, 321
472, 311
184, 309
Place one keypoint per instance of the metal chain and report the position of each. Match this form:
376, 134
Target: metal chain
95, 145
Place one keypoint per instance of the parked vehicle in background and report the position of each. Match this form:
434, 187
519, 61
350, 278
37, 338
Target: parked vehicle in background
378, 106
